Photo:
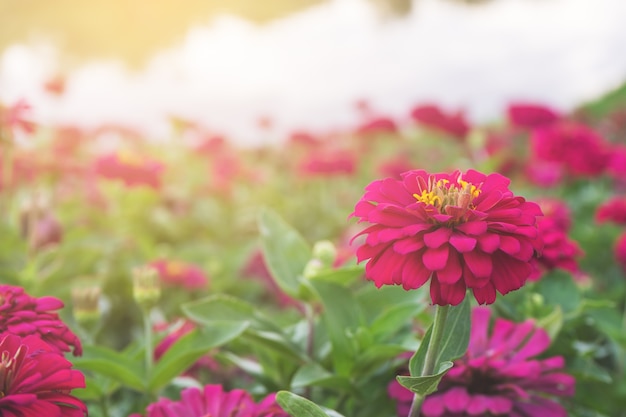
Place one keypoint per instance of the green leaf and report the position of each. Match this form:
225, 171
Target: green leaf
552, 323
342, 316
189, 348
261, 331
298, 406
558, 288
313, 374
453, 344
394, 318
286, 252
424, 385
344, 276
118, 366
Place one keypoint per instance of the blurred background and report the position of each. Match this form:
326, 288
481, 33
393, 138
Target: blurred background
254, 71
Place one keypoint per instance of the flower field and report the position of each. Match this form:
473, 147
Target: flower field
432, 268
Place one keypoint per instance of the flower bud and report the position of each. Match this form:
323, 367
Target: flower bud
146, 286
326, 252
86, 306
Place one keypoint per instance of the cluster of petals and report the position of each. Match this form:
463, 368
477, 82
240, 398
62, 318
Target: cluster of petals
36, 381
215, 402
180, 274
500, 375
612, 211
458, 230
433, 117
559, 251
23, 315
529, 115
133, 171
577, 150
377, 126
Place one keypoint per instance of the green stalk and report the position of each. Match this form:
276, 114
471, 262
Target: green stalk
441, 313
147, 328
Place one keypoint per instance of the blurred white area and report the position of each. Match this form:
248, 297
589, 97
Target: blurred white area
307, 71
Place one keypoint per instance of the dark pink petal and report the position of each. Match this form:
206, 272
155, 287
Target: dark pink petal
489, 242
462, 243
437, 237
509, 244
408, 245
472, 228
479, 263
446, 294
485, 294
414, 275
452, 272
436, 259
456, 399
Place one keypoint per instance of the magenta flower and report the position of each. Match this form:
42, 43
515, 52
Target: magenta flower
328, 163
613, 211
180, 274
433, 117
131, 169
499, 375
35, 381
377, 126
576, 148
458, 230
527, 115
215, 402
23, 315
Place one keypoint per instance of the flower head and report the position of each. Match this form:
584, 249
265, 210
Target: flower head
180, 274
23, 315
612, 210
132, 170
500, 375
36, 381
458, 230
529, 115
215, 402
433, 117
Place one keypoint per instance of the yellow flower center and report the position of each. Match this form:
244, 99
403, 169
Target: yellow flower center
444, 193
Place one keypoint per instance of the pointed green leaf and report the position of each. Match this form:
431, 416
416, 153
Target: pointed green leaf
313, 374
189, 348
298, 406
118, 366
286, 252
454, 340
424, 385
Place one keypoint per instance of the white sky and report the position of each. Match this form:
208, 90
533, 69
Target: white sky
307, 70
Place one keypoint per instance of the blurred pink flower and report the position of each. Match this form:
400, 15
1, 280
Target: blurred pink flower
557, 210
376, 126
23, 315
528, 115
132, 170
180, 274
498, 375
431, 116
612, 210
36, 382
213, 401
559, 251
328, 163
575, 147
15, 117
458, 230
394, 167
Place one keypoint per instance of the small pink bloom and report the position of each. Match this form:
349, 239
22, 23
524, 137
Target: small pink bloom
576, 148
180, 274
395, 167
612, 210
23, 315
499, 375
328, 163
559, 251
132, 170
431, 116
35, 381
457, 230
15, 117
558, 211
527, 115
377, 126
213, 401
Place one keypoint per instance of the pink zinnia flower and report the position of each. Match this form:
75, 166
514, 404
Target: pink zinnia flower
431, 116
620, 251
559, 251
458, 230
499, 375
180, 274
36, 382
612, 210
579, 150
215, 402
23, 315
527, 115
377, 125
328, 163
132, 170
558, 211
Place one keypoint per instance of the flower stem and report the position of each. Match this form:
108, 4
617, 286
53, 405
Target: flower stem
147, 328
441, 313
